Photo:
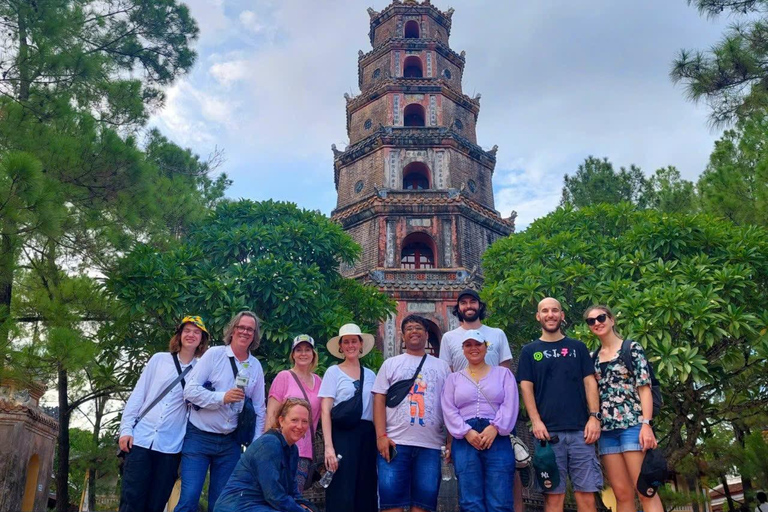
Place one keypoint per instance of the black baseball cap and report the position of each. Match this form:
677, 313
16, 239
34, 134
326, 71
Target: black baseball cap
469, 291
652, 474
545, 466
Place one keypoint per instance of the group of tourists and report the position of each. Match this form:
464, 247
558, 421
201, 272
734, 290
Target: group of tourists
387, 436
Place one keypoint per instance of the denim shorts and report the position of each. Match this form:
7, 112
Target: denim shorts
578, 461
620, 440
412, 478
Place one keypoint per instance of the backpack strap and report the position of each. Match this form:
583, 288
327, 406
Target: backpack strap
626, 355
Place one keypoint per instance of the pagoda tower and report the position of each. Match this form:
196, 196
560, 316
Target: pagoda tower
414, 187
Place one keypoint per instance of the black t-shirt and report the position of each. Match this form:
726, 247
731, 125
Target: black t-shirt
557, 370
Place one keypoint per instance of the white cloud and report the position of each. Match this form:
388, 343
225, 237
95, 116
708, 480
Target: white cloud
560, 81
227, 73
251, 22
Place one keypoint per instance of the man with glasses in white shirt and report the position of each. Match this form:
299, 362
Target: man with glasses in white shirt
216, 403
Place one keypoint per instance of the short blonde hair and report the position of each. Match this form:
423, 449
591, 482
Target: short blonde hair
315, 357
286, 407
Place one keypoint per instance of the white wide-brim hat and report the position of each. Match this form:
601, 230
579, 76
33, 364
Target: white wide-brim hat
350, 330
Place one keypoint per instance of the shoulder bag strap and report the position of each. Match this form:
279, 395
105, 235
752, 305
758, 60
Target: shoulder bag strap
234, 367
159, 397
306, 397
419, 368
178, 368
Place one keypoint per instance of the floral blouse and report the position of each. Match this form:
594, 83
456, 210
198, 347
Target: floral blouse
619, 399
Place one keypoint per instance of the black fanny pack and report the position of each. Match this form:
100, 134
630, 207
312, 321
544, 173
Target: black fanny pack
347, 414
400, 389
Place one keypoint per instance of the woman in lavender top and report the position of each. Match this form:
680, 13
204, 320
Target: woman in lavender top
480, 405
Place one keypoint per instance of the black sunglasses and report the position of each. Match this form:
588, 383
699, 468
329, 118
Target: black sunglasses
598, 318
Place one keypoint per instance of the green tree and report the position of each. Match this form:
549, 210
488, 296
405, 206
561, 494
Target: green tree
596, 181
735, 182
731, 77
668, 192
690, 288
77, 81
270, 257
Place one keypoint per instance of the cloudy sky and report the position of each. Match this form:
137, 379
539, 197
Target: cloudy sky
560, 80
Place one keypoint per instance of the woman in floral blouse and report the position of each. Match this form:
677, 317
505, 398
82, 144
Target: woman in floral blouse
627, 406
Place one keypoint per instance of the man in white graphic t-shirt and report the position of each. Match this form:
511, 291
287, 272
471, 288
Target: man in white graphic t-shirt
410, 434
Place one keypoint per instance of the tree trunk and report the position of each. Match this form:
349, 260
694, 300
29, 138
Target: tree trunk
7, 265
62, 472
741, 432
727, 492
693, 488
100, 405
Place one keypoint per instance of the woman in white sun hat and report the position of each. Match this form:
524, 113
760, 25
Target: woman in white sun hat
347, 419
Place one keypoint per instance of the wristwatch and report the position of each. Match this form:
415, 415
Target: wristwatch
597, 415
646, 422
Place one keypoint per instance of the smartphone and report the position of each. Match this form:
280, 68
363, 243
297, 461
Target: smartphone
392, 453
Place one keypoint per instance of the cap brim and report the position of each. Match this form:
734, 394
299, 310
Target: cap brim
333, 345
645, 488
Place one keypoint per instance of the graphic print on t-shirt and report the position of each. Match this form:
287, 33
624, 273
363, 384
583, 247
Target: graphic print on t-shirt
416, 399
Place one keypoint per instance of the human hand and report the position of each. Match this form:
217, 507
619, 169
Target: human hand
474, 439
539, 430
448, 455
487, 436
126, 443
647, 438
592, 430
234, 395
382, 444
331, 462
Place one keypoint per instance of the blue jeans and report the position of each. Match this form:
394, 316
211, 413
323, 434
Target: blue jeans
620, 440
485, 477
202, 450
411, 478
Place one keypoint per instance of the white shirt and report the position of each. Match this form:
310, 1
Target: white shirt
452, 353
762, 507
340, 386
418, 420
164, 426
214, 415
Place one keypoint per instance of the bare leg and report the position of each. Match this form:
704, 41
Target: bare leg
554, 502
585, 501
620, 480
634, 462
518, 493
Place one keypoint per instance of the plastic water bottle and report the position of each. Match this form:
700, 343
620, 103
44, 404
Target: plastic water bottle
445, 468
328, 476
241, 382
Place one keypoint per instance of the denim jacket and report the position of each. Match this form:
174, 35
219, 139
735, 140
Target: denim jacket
264, 478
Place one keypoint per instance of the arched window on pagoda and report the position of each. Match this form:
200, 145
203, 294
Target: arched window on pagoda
411, 29
418, 252
412, 67
414, 115
416, 176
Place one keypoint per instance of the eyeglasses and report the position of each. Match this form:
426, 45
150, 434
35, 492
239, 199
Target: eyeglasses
599, 319
246, 330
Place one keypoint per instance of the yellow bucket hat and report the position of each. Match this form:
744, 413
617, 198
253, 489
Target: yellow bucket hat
195, 320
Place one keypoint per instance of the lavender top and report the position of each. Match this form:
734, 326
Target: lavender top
462, 400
